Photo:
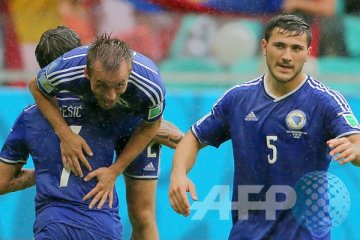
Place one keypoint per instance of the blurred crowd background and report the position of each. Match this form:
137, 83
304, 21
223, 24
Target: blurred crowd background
191, 36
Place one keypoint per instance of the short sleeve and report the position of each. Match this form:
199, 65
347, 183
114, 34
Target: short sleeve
15, 149
213, 128
340, 119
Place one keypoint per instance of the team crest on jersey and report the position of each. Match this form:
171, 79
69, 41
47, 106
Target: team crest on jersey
295, 121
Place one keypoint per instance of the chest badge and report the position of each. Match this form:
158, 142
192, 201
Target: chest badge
296, 120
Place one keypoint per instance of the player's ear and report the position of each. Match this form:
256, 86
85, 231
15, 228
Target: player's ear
309, 52
263, 46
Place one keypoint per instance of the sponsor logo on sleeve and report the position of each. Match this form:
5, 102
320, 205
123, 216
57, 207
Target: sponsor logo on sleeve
156, 111
45, 83
351, 120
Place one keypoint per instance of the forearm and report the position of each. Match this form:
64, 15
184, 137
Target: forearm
168, 134
136, 144
185, 154
12, 178
25, 179
49, 109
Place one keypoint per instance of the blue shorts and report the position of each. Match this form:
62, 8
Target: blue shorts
56, 231
147, 164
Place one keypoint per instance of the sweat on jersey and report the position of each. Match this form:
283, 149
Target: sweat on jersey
276, 141
145, 93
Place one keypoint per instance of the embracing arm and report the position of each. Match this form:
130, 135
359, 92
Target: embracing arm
13, 178
107, 176
168, 134
50, 110
137, 143
72, 145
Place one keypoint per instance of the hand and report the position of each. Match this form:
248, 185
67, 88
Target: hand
342, 150
104, 189
179, 185
72, 146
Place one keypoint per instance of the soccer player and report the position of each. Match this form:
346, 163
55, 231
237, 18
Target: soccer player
282, 126
140, 175
61, 212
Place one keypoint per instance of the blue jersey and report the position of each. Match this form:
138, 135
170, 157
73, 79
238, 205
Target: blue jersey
59, 194
144, 94
275, 142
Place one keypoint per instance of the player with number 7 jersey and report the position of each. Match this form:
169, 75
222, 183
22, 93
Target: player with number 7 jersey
59, 195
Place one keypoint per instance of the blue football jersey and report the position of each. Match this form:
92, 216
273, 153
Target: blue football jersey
275, 142
144, 95
58, 193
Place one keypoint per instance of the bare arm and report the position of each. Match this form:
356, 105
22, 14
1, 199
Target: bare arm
184, 159
13, 178
72, 145
107, 176
168, 134
347, 149
50, 110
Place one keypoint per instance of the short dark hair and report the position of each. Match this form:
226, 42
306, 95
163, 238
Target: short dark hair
288, 24
54, 43
109, 51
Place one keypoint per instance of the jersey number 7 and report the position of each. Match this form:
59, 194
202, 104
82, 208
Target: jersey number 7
65, 174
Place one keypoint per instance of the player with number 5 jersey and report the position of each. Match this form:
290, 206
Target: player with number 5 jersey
282, 126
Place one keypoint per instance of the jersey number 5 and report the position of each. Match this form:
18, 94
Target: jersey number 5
65, 174
272, 157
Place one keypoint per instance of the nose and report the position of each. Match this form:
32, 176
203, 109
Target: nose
287, 57
110, 94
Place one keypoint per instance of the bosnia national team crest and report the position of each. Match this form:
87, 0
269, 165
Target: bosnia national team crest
295, 121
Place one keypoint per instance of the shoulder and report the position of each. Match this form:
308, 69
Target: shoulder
245, 88
146, 79
142, 62
325, 95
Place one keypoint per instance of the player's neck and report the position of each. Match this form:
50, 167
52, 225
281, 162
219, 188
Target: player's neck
278, 89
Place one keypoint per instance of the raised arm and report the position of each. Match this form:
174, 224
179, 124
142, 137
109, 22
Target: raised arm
72, 145
184, 159
13, 178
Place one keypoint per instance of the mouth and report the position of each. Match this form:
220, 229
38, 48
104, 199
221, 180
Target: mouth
107, 104
284, 68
